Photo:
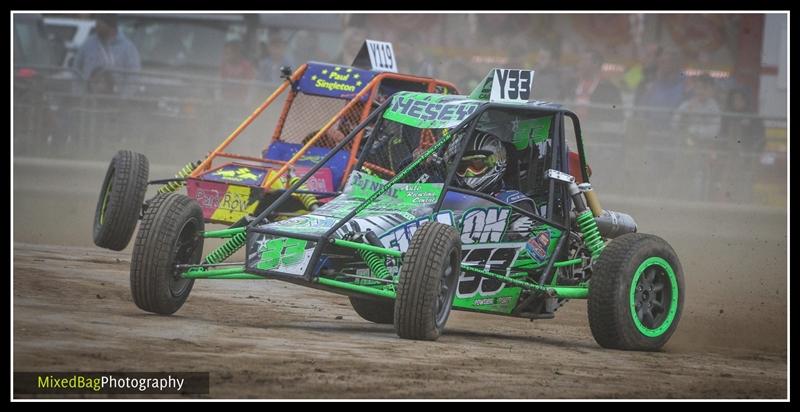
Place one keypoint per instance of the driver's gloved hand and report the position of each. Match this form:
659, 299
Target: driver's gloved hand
380, 142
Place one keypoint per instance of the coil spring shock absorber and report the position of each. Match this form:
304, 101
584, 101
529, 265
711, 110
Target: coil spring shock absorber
585, 220
376, 264
175, 185
226, 249
591, 234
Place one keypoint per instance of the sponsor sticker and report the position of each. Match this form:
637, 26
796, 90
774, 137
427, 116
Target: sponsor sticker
425, 110
285, 255
237, 174
537, 246
330, 80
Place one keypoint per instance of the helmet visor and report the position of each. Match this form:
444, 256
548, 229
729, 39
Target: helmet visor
474, 165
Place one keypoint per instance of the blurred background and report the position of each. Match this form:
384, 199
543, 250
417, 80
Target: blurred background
696, 99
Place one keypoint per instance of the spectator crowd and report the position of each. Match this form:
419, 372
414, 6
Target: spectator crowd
598, 81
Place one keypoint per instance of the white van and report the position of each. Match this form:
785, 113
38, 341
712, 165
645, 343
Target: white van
71, 31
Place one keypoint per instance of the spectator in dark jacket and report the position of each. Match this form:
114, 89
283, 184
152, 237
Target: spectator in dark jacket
107, 49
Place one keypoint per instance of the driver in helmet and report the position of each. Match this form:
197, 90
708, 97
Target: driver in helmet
482, 168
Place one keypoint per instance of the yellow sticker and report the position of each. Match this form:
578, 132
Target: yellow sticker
234, 205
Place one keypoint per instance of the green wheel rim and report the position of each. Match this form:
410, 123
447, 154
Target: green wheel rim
105, 199
661, 268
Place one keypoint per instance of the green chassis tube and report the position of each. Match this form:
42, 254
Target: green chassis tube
567, 292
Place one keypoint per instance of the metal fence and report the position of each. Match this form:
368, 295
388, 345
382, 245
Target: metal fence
633, 151
169, 118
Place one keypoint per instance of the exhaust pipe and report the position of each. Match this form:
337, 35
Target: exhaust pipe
610, 223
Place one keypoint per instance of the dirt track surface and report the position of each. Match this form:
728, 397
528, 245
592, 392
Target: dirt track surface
73, 310
268, 339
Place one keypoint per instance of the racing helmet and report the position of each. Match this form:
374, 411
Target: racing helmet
483, 165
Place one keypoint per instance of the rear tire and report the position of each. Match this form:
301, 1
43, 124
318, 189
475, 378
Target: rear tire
636, 293
373, 310
170, 234
120, 201
428, 279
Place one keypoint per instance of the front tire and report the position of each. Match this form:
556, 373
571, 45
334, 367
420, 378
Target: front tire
120, 200
170, 234
636, 293
427, 284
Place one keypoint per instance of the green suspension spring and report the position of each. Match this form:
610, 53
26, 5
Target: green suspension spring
226, 249
376, 264
591, 235
175, 185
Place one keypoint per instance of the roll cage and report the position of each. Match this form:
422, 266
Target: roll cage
558, 200
370, 93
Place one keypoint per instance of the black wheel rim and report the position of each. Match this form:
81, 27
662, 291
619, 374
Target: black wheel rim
185, 253
652, 297
447, 284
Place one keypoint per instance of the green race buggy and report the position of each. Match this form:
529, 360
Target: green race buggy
407, 245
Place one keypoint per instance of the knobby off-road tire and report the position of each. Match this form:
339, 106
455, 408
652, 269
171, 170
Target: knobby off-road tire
636, 293
170, 234
373, 310
120, 201
427, 284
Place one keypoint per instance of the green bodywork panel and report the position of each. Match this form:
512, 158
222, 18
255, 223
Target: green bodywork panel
402, 195
484, 88
503, 301
402, 198
533, 131
533, 256
281, 251
430, 111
